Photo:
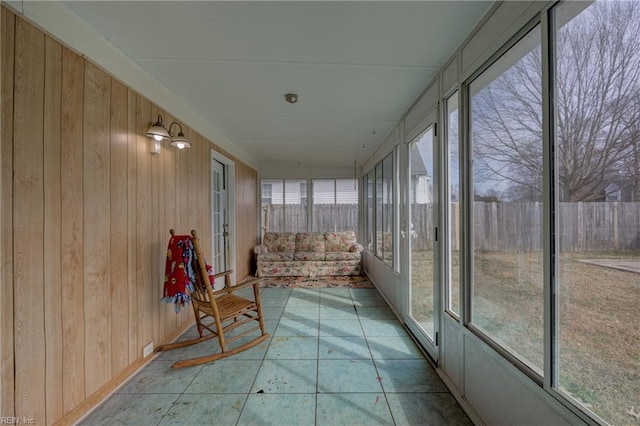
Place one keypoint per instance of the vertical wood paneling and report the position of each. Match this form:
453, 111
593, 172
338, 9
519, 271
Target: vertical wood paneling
201, 156
154, 237
72, 229
132, 265
205, 180
28, 226
249, 220
7, 386
183, 193
192, 170
169, 159
119, 268
160, 237
144, 227
52, 218
84, 225
97, 264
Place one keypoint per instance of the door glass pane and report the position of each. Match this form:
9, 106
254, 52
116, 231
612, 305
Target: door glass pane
506, 135
421, 229
453, 142
598, 216
218, 193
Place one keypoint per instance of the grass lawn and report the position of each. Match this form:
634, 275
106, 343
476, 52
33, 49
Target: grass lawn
599, 331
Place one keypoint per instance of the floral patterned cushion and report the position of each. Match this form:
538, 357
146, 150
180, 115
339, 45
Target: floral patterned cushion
280, 241
308, 255
283, 269
308, 241
341, 255
276, 256
260, 249
339, 241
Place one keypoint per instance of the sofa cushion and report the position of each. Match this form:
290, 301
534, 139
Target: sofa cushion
283, 269
339, 241
276, 256
308, 255
280, 241
308, 241
341, 255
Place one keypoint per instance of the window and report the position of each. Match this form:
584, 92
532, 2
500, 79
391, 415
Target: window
273, 204
597, 140
506, 137
369, 204
379, 204
284, 206
303, 192
295, 205
267, 193
335, 205
347, 205
324, 199
453, 144
387, 236
378, 211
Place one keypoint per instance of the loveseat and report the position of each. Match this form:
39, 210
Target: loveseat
308, 254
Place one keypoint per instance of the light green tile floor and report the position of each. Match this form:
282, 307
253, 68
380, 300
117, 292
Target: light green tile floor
336, 357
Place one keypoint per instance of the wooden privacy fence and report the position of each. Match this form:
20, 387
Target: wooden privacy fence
595, 226
325, 218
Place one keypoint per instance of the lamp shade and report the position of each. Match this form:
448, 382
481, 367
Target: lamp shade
157, 130
180, 141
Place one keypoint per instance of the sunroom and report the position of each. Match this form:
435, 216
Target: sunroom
495, 189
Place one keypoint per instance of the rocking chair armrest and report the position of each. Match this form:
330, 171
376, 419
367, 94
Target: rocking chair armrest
250, 283
222, 274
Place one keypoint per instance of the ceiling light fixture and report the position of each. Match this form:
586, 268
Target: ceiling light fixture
292, 98
158, 133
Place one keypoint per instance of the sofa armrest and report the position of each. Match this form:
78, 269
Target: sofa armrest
356, 247
260, 249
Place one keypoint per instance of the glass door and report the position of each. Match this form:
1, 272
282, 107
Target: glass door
220, 225
422, 235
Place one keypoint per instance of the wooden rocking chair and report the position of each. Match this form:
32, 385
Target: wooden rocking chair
225, 310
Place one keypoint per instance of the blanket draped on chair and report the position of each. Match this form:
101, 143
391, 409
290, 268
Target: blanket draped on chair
179, 276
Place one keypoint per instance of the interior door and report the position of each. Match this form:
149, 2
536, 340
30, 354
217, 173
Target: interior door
421, 232
220, 224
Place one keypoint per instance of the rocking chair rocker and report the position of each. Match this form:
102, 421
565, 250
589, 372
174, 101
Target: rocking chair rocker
225, 310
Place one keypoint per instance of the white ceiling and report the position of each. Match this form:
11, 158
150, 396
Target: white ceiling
356, 66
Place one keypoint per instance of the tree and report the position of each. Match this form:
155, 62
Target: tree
598, 90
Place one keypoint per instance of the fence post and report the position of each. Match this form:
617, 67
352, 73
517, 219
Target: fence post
616, 242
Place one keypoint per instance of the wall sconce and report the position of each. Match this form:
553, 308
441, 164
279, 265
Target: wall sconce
158, 133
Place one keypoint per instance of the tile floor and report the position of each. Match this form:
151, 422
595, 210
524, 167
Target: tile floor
336, 356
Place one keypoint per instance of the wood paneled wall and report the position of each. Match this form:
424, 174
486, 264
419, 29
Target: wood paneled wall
84, 221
